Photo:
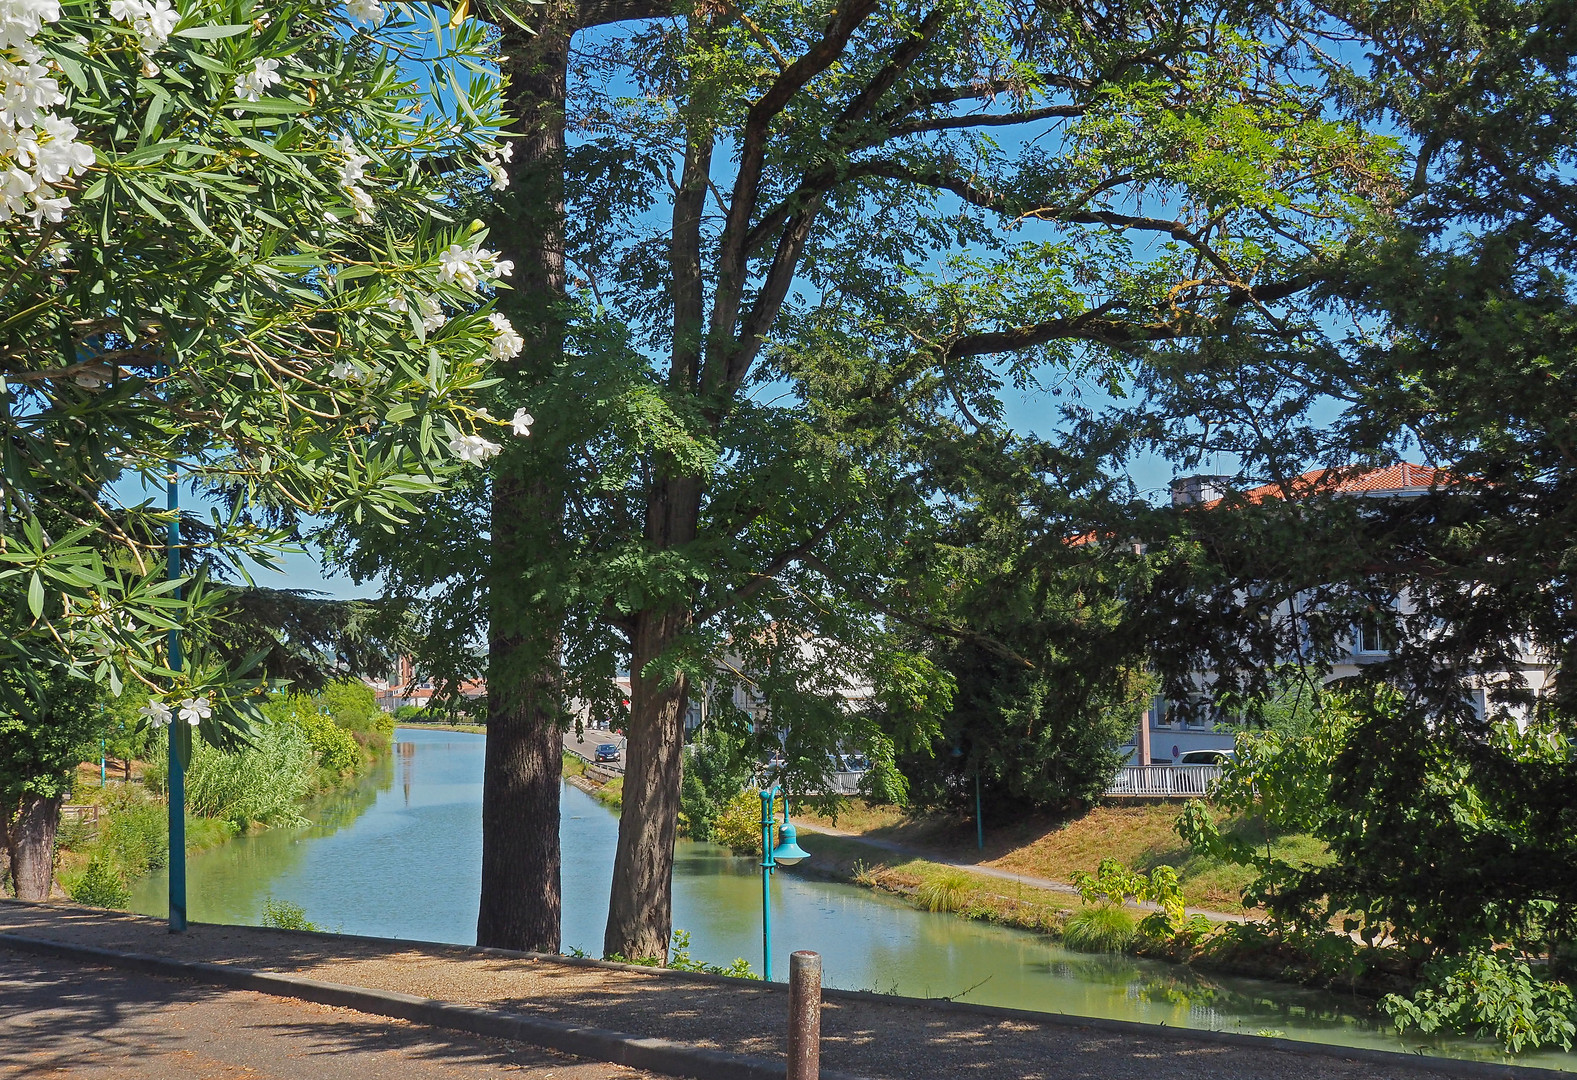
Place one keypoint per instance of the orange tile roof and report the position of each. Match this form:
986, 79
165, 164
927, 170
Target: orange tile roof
1403, 476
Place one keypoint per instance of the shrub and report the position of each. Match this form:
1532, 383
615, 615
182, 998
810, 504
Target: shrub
352, 704
263, 783
1481, 993
738, 826
101, 885
336, 748
134, 832
679, 960
1099, 928
716, 769
946, 891
283, 915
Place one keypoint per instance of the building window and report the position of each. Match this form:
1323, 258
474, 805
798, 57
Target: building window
1370, 637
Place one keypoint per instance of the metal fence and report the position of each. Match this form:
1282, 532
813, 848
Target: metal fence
1163, 781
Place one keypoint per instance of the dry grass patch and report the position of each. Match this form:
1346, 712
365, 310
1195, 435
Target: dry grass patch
1138, 835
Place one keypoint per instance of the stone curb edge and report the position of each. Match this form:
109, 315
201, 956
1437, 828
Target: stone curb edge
601, 1044
1475, 1070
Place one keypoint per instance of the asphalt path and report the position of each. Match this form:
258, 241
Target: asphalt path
62, 1021
587, 743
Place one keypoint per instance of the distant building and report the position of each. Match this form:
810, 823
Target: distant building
404, 688
1166, 733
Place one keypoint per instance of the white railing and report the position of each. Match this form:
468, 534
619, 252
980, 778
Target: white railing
1163, 781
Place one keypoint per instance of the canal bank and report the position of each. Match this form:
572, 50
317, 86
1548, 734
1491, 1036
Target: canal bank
536, 998
403, 861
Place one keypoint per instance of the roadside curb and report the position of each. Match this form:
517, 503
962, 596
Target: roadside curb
601, 1044
680, 1059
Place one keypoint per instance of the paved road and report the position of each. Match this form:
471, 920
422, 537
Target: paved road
62, 1021
586, 745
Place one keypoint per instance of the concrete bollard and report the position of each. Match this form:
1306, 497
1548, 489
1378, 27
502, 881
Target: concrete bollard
804, 1041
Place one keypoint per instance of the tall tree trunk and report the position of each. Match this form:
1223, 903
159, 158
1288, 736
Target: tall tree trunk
520, 902
30, 841
5, 853
640, 907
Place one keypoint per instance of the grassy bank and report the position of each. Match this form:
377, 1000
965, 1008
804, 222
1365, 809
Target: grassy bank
469, 729
594, 782
309, 747
1140, 836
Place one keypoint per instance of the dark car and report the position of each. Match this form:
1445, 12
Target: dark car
607, 752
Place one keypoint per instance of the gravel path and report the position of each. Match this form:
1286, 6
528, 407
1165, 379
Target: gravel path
867, 1037
64, 1021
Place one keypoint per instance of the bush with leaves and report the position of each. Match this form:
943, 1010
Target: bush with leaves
283, 915
228, 257
1436, 853
101, 885
264, 783
717, 767
1488, 994
738, 826
1113, 884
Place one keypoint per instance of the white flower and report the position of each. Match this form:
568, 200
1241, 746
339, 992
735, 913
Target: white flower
496, 171
522, 423
152, 20
365, 11
362, 203
432, 314
61, 155
506, 152
14, 188
352, 168
250, 87
47, 209
155, 712
346, 370
473, 448
469, 267
21, 20
195, 710
26, 93
506, 342
459, 265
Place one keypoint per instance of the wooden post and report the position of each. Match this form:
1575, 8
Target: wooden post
1144, 738
804, 1041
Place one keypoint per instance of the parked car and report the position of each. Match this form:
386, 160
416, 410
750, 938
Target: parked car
607, 752
1206, 757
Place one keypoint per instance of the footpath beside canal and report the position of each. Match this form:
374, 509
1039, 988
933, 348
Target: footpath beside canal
865, 1035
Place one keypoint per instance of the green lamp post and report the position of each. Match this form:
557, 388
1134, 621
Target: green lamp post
786, 853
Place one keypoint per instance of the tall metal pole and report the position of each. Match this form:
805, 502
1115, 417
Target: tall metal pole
177, 781
980, 828
767, 866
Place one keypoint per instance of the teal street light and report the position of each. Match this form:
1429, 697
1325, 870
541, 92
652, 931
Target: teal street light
177, 773
786, 853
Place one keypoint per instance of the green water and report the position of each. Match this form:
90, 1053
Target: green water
399, 856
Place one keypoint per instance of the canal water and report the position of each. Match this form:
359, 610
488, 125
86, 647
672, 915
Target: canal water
399, 855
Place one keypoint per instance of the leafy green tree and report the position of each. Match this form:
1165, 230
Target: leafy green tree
38, 763
1448, 805
717, 766
792, 272
1049, 676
